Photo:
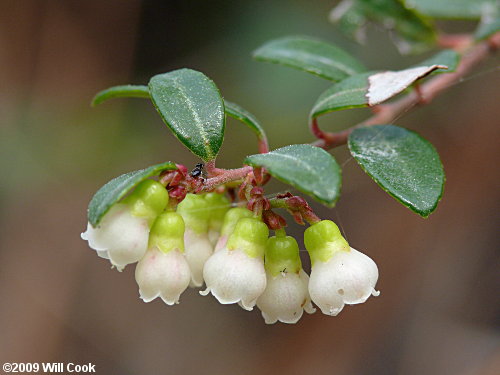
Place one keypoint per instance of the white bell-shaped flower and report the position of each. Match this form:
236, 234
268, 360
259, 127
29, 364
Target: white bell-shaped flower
230, 219
122, 234
236, 274
194, 209
286, 295
218, 206
286, 298
340, 274
163, 271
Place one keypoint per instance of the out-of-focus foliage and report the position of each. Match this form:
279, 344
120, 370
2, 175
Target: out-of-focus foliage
413, 33
462, 9
312, 56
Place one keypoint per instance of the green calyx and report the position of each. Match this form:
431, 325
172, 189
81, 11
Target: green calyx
282, 255
167, 232
195, 211
249, 235
324, 239
148, 200
219, 205
231, 218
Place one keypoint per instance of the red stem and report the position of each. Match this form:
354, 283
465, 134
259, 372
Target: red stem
263, 145
226, 176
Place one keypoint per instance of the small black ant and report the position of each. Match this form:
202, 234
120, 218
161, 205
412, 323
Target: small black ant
198, 170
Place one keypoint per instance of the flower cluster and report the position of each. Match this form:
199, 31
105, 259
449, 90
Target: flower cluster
205, 241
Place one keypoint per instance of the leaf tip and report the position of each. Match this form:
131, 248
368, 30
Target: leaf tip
95, 101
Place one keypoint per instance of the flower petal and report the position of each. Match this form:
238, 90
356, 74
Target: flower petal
164, 275
121, 237
349, 277
285, 297
232, 276
197, 250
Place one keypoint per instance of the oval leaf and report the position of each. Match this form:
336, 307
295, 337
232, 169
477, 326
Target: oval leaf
447, 57
349, 93
486, 30
464, 9
352, 92
413, 33
124, 91
309, 169
490, 23
192, 107
241, 114
383, 86
402, 163
116, 189
312, 56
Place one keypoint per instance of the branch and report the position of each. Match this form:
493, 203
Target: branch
386, 113
226, 176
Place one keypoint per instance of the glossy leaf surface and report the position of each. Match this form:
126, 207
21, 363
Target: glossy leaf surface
403, 163
309, 169
192, 107
118, 187
310, 55
356, 91
123, 91
349, 93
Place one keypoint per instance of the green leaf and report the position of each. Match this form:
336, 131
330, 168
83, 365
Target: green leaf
353, 92
192, 107
464, 9
402, 163
309, 169
487, 29
447, 57
241, 114
490, 23
349, 93
116, 189
415, 33
124, 91
384, 85
312, 56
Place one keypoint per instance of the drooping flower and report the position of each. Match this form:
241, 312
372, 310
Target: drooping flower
236, 274
194, 209
219, 205
122, 235
163, 271
286, 295
230, 219
340, 274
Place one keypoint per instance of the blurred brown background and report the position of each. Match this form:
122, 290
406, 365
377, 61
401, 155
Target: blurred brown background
439, 308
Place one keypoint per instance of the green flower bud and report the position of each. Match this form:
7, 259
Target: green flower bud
282, 255
232, 216
167, 232
324, 239
219, 205
148, 200
230, 219
249, 235
195, 211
